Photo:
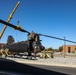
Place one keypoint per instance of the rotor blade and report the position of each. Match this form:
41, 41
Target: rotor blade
57, 38
13, 26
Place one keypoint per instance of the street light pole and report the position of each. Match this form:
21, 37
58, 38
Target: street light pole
64, 47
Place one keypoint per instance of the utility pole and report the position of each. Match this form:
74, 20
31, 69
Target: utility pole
64, 47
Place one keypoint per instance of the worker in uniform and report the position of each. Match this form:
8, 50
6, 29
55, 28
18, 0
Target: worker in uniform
35, 51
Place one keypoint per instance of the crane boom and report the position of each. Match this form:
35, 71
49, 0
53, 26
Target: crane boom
10, 17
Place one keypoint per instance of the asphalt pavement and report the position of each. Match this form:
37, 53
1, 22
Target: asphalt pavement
16, 68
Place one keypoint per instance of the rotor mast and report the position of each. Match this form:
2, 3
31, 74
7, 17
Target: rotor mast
10, 17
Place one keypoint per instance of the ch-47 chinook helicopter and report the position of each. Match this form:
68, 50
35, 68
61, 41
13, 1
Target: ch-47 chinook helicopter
33, 43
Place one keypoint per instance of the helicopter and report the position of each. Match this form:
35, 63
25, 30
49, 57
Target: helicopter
33, 44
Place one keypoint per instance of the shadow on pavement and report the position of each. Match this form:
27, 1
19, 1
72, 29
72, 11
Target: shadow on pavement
12, 66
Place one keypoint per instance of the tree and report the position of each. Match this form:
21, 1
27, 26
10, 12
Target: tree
60, 48
50, 49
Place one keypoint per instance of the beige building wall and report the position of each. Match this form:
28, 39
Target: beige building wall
69, 48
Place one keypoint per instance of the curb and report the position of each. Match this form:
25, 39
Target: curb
49, 64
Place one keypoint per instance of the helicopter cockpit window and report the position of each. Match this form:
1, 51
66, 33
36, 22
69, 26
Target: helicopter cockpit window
31, 36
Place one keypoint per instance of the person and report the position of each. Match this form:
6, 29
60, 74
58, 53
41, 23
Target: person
35, 52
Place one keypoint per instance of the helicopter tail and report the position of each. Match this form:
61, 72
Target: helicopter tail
10, 40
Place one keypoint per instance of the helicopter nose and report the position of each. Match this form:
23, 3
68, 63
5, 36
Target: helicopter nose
42, 48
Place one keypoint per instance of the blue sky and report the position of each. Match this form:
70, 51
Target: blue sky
51, 17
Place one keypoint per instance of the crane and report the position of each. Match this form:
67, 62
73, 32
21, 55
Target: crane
9, 18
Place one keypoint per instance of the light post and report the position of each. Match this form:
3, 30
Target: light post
64, 47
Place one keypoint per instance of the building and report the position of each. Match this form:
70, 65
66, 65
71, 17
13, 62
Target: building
2, 44
69, 48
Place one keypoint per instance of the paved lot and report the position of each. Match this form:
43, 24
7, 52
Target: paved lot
18, 66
